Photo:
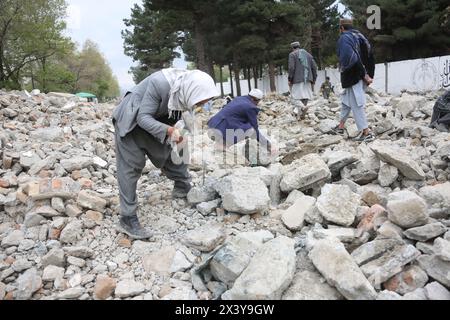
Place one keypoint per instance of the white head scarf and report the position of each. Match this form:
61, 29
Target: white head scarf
188, 88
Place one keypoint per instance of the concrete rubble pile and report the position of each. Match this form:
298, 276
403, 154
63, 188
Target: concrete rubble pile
329, 219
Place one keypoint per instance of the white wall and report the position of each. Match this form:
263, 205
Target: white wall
413, 75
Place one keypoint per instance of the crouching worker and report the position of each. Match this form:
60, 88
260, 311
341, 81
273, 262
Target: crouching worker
237, 121
145, 126
441, 113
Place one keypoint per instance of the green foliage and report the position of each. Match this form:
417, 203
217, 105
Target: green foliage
34, 53
140, 73
153, 40
56, 77
225, 74
237, 33
410, 28
93, 73
30, 30
256, 34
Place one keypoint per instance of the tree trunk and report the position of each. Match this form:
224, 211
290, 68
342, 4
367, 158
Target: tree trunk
221, 81
249, 79
200, 46
32, 78
231, 80
2, 74
316, 46
44, 75
15, 83
255, 76
211, 71
273, 87
237, 73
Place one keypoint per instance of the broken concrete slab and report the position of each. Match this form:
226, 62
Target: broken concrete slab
205, 238
337, 266
338, 160
269, 273
442, 249
233, 258
308, 285
399, 159
294, 217
389, 264
243, 194
437, 198
388, 175
426, 232
91, 200
374, 249
436, 268
338, 204
44, 189
304, 173
409, 280
407, 209
436, 291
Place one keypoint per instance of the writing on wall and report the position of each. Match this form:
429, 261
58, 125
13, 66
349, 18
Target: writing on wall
445, 74
425, 76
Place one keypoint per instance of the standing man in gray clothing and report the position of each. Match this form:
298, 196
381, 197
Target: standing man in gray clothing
302, 78
145, 125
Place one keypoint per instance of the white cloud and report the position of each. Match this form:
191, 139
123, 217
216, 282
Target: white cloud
102, 22
74, 17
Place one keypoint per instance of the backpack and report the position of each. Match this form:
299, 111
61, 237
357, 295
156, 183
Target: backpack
443, 103
365, 53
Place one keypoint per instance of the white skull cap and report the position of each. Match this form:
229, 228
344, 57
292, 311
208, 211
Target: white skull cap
257, 94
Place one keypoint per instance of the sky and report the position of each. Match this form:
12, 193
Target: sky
102, 22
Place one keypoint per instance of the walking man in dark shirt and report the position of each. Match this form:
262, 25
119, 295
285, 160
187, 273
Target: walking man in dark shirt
357, 65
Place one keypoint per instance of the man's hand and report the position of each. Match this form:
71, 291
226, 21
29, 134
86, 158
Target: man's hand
368, 80
175, 135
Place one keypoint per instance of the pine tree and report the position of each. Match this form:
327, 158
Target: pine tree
153, 40
410, 28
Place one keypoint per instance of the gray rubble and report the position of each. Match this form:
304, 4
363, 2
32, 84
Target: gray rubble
325, 219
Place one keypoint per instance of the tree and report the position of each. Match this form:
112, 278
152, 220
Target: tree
93, 74
410, 28
241, 34
195, 17
51, 74
275, 23
30, 31
153, 40
323, 21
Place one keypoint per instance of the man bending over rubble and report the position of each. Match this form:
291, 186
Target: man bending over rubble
441, 113
357, 65
237, 121
145, 125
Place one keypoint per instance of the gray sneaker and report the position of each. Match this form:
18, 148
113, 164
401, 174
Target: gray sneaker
364, 138
132, 227
337, 131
